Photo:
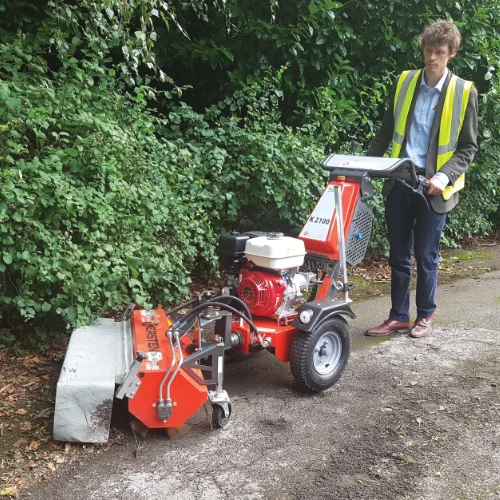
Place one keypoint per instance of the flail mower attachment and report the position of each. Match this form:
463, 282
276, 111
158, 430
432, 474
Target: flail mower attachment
289, 296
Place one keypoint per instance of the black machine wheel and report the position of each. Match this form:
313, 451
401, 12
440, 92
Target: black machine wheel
219, 419
318, 358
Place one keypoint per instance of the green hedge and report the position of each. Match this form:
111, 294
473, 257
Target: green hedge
103, 202
113, 190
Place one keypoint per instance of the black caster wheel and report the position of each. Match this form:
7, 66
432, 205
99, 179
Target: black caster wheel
219, 419
318, 358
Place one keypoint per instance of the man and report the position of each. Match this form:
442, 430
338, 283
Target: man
432, 120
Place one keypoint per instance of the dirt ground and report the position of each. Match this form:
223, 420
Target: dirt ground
410, 419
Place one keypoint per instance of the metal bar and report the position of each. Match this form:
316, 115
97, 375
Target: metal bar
341, 240
191, 363
169, 336
181, 358
194, 301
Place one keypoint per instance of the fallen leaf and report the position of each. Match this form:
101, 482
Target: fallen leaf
33, 446
51, 466
22, 411
438, 474
25, 426
10, 492
19, 442
67, 447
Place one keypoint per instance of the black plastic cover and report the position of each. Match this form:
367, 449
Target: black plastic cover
322, 310
231, 248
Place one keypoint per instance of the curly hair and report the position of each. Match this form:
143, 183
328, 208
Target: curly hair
441, 33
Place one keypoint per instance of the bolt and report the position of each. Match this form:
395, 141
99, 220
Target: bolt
174, 404
316, 350
137, 384
326, 342
164, 420
154, 405
132, 393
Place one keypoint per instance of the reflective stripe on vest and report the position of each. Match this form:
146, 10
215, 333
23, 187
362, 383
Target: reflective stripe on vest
452, 118
402, 102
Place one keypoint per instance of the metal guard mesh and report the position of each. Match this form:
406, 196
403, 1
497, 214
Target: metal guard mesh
361, 224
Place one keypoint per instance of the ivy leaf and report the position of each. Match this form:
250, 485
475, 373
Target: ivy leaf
133, 262
4, 92
13, 103
313, 8
71, 313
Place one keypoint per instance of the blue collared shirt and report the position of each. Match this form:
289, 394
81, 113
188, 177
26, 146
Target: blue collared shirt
421, 125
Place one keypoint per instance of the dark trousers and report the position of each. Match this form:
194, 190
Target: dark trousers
411, 226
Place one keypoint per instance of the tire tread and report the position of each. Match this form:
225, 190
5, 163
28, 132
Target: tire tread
299, 353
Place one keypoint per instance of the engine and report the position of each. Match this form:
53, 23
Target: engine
273, 295
267, 267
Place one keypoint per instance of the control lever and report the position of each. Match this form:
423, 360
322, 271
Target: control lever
420, 185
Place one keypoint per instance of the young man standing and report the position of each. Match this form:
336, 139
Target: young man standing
432, 120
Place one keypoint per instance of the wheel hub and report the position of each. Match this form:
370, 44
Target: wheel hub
327, 353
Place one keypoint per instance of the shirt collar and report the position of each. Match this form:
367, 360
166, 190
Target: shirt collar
439, 84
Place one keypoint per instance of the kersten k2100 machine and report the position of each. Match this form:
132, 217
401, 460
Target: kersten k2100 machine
287, 295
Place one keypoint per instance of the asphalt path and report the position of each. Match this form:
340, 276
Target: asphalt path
410, 418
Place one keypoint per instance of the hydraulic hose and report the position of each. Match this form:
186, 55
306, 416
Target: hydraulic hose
181, 358
162, 383
181, 323
235, 299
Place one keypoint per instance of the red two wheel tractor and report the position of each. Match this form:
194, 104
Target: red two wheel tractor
287, 295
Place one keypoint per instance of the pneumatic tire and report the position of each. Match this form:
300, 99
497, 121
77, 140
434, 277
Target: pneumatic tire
318, 358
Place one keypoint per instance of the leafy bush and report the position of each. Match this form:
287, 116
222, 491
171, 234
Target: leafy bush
112, 189
103, 202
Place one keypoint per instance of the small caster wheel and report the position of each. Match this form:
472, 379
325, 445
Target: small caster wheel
219, 419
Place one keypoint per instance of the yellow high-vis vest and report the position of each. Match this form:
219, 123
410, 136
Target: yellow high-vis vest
452, 119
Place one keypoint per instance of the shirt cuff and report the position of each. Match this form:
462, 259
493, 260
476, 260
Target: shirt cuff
442, 177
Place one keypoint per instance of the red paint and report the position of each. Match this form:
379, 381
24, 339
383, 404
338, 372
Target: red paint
281, 336
262, 292
185, 391
330, 247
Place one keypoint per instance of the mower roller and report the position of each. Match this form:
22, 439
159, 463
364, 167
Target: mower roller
289, 296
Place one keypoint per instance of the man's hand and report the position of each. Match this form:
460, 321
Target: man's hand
436, 186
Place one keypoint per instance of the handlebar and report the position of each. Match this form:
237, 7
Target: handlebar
374, 167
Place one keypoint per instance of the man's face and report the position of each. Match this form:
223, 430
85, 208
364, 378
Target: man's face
436, 58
